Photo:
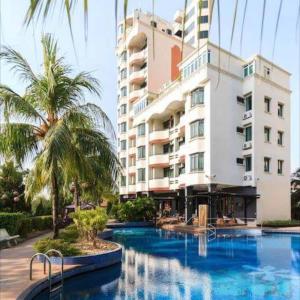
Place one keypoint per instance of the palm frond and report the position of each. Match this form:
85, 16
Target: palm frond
125, 7
153, 32
262, 26
243, 26
18, 63
200, 4
183, 28
233, 28
276, 29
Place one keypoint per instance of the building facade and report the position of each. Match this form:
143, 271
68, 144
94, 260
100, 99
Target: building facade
202, 125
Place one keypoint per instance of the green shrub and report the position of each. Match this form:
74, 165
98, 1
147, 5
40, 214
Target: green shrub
69, 234
41, 223
141, 209
12, 222
64, 247
281, 223
41, 206
89, 222
25, 227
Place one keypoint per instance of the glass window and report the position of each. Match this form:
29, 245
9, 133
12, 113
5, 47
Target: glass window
267, 132
123, 145
280, 110
248, 134
123, 180
124, 91
204, 3
248, 102
203, 34
280, 167
189, 28
267, 162
141, 129
197, 96
197, 161
204, 19
267, 104
141, 175
123, 127
249, 69
123, 109
141, 152
168, 172
123, 162
124, 56
248, 163
124, 73
280, 138
197, 128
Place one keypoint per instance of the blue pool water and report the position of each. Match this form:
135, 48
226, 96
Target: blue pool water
166, 265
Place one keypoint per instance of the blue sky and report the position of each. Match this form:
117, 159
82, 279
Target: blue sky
98, 54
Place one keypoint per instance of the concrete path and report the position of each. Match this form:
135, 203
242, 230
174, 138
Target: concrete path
14, 269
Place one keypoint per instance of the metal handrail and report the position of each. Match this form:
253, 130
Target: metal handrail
46, 258
62, 263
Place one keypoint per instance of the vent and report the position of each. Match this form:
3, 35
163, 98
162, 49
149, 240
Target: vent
240, 161
240, 129
240, 99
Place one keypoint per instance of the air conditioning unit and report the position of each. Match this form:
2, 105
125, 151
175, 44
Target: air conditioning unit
247, 145
247, 115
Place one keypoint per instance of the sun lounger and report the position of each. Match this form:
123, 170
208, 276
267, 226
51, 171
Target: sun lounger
5, 238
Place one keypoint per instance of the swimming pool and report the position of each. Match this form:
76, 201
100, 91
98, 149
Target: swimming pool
160, 264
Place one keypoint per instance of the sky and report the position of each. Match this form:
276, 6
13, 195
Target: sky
97, 55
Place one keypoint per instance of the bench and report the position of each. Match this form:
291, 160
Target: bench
5, 238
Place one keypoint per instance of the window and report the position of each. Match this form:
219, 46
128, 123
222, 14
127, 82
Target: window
248, 134
280, 110
123, 109
280, 138
168, 172
197, 128
203, 34
124, 56
267, 72
280, 167
123, 162
248, 163
169, 31
189, 28
248, 102
267, 162
123, 180
267, 133
166, 148
131, 179
197, 161
153, 24
204, 3
123, 145
203, 19
240, 130
141, 152
141, 175
197, 96
249, 69
141, 129
123, 73
240, 161
240, 99
123, 127
124, 91
267, 104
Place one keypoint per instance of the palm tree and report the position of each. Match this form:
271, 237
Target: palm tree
51, 124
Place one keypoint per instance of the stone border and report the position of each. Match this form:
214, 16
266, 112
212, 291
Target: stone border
92, 263
129, 224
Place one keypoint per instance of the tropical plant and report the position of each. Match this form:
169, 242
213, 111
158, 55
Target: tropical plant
90, 222
52, 124
40, 206
295, 194
12, 188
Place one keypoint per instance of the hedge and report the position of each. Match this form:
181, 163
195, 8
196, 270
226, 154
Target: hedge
281, 223
18, 223
12, 222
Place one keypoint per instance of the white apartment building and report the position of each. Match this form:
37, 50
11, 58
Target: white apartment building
201, 130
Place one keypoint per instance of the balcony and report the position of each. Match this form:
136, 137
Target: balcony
178, 17
138, 77
132, 132
159, 160
138, 58
131, 151
160, 136
159, 184
123, 190
131, 189
132, 170
136, 94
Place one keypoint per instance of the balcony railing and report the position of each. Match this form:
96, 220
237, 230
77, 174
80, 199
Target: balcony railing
138, 77
159, 183
138, 58
160, 136
159, 160
136, 94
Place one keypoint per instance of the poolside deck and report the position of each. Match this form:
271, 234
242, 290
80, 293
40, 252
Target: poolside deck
14, 269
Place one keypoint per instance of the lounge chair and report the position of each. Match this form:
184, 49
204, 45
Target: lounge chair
5, 238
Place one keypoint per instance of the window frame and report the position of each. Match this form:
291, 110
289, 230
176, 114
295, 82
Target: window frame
197, 162
197, 128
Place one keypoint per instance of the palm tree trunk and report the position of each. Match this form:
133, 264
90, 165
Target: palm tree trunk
76, 194
55, 200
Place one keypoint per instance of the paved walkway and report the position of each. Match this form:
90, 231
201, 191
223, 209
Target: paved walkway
14, 269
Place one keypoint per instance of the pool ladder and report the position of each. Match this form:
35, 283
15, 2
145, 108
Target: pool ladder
211, 232
53, 292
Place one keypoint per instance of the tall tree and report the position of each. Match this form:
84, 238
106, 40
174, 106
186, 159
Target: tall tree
45, 123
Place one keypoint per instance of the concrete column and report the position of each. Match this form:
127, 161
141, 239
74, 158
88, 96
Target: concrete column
188, 205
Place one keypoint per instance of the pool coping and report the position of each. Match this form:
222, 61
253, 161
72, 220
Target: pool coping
37, 287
